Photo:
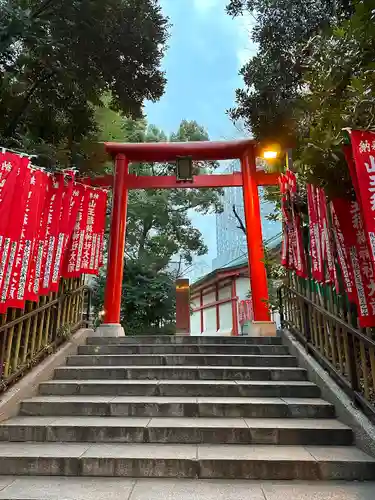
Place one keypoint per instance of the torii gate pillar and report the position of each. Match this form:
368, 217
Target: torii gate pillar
255, 250
122, 182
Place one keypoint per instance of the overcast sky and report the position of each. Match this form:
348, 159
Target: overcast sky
207, 48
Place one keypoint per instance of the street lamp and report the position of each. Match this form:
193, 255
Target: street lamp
271, 152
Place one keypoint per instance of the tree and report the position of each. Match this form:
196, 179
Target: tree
159, 230
339, 77
148, 302
159, 226
269, 103
333, 75
57, 60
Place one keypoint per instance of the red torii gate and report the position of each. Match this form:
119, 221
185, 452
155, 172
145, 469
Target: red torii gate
244, 150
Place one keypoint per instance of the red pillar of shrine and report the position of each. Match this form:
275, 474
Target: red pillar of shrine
257, 270
115, 265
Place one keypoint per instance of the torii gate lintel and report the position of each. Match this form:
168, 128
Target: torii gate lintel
122, 182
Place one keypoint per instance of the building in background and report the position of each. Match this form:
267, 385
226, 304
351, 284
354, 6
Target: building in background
230, 239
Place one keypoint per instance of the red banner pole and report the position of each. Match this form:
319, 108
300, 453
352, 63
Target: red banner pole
115, 266
257, 270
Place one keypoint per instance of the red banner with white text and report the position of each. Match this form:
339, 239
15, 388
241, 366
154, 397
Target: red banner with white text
46, 220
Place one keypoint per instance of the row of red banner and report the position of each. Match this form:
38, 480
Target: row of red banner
342, 231
50, 227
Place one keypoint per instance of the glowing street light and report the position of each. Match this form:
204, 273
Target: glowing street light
271, 152
270, 155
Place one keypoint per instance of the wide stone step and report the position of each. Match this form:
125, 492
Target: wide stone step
158, 406
186, 461
222, 388
183, 349
182, 359
120, 488
176, 430
179, 373
182, 339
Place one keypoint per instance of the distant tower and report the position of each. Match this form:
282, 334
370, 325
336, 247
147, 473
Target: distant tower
230, 240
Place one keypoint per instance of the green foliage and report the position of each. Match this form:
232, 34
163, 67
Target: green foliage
148, 299
275, 275
341, 88
313, 76
57, 60
273, 78
159, 225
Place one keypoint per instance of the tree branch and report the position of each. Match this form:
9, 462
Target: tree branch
241, 224
42, 8
146, 228
9, 131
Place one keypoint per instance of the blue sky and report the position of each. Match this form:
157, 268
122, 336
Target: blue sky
207, 48
206, 51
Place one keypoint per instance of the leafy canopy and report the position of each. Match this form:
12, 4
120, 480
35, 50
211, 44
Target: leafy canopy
57, 60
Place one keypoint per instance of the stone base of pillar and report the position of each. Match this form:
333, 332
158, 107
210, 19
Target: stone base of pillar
109, 330
263, 329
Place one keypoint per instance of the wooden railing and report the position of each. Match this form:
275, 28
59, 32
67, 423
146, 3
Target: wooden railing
324, 325
29, 335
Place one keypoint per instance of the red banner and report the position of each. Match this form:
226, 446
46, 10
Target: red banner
12, 175
26, 243
363, 146
360, 259
338, 209
94, 232
52, 221
317, 271
49, 226
13, 228
325, 238
76, 245
65, 229
293, 254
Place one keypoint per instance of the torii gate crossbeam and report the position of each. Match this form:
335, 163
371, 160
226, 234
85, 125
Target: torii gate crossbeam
122, 182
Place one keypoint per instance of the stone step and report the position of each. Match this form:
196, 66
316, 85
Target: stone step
182, 339
176, 430
186, 461
120, 488
158, 406
182, 359
178, 373
222, 388
183, 349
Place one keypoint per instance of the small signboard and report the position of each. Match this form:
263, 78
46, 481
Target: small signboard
245, 311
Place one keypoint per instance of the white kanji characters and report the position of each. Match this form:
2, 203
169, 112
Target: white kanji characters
361, 237
356, 216
372, 183
368, 270
371, 287
7, 166
370, 167
364, 254
364, 147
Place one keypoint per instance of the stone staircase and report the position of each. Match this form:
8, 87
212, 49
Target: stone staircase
181, 407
